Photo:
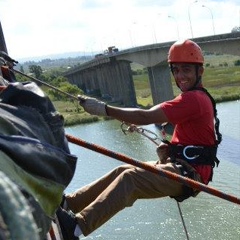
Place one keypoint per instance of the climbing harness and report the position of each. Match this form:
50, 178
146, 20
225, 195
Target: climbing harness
217, 121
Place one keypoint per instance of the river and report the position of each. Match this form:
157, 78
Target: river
206, 217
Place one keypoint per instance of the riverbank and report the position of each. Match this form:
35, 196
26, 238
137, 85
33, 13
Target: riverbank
74, 115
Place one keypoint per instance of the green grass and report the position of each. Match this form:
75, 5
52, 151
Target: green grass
221, 78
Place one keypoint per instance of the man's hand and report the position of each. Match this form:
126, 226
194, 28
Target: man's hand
163, 152
92, 105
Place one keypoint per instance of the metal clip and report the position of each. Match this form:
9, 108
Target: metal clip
147, 133
185, 154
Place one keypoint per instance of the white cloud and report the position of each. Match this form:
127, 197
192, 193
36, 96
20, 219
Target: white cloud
36, 28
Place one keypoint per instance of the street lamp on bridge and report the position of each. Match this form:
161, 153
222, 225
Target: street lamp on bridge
212, 18
176, 25
189, 17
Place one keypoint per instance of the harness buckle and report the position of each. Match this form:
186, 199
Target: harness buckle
185, 152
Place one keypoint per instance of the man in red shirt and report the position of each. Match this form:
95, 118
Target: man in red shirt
191, 152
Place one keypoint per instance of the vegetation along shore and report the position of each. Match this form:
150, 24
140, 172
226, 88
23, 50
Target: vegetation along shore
221, 78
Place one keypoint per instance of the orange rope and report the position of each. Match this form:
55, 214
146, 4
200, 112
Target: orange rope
2, 88
187, 181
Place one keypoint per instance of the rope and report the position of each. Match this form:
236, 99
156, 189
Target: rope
183, 222
154, 137
46, 84
124, 158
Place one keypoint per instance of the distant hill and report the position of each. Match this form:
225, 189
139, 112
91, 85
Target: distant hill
55, 56
64, 60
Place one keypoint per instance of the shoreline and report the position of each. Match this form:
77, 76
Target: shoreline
86, 118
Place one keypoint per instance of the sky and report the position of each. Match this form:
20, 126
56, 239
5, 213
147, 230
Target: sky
34, 28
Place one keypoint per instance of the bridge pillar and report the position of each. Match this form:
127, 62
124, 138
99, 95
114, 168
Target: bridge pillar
112, 81
160, 83
120, 82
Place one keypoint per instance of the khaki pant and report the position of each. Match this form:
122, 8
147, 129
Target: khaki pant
97, 202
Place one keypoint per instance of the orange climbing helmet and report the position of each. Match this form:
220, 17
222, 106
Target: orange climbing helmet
185, 51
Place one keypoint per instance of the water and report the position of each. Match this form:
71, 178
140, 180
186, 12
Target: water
206, 217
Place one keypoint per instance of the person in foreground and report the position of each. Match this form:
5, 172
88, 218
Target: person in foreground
191, 152
35, 159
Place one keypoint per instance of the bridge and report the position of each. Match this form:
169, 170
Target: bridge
109, 76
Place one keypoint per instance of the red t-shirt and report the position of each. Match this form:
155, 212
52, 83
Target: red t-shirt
192, 114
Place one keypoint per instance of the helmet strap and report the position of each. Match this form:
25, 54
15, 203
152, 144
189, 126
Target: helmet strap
198, 78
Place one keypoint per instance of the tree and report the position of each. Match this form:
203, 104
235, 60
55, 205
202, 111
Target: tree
21, 69
36, 70
62, 84
236, 29
237, 63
